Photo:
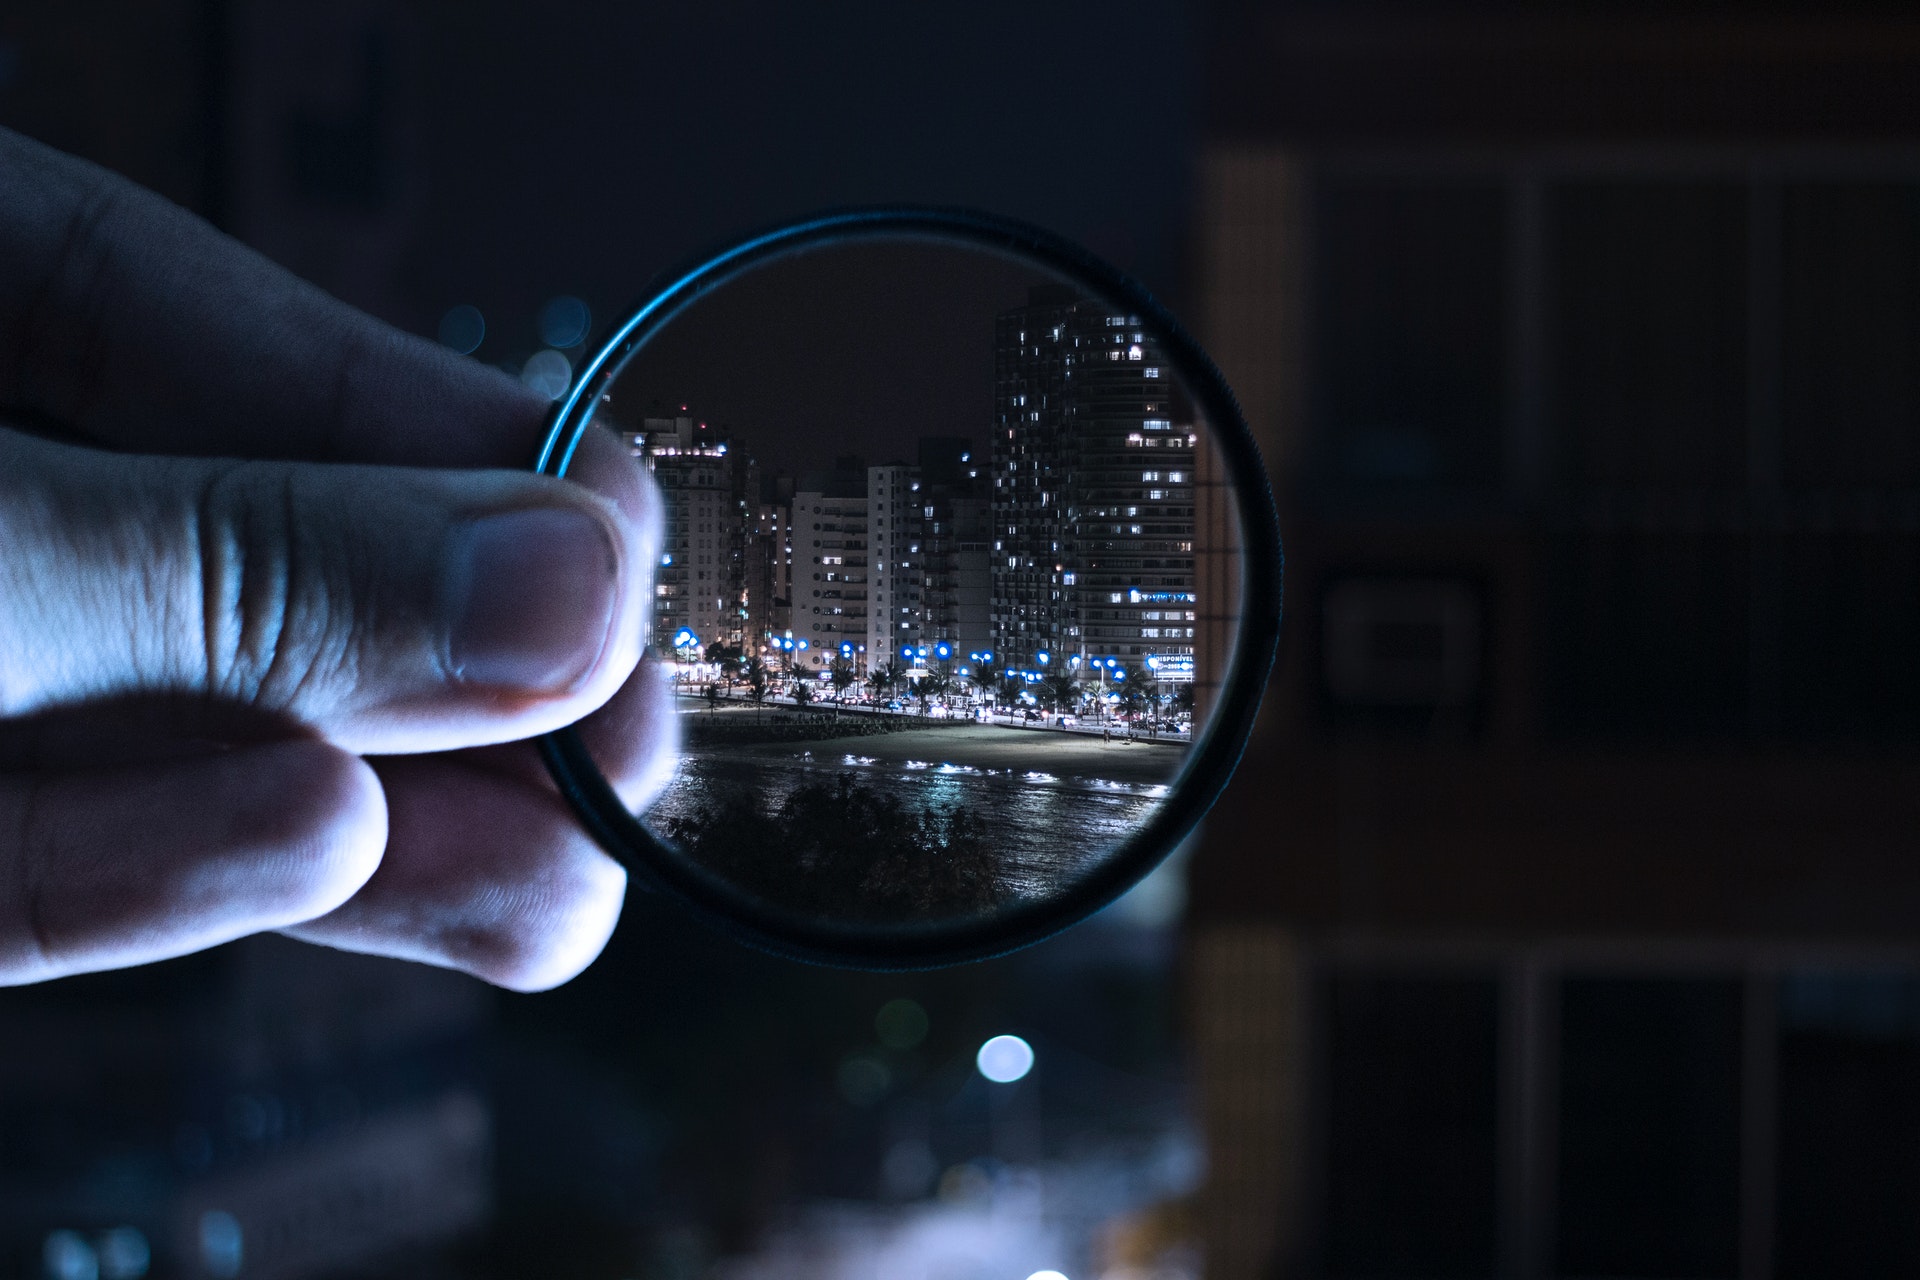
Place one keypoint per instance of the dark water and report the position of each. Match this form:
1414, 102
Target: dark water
1048, 827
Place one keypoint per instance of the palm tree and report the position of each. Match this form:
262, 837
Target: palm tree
1061, 690
935, 684
985, 674
757, 679
802, 690
883, 677
842, 677
724, 656
1011, 687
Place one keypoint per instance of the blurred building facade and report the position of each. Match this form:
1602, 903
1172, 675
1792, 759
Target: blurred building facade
1561, 920
270, 1109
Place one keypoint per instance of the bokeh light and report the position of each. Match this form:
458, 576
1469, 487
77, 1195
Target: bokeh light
549, 373
463, 328
863, 1080
1005, 1059
901, 1024
565, 322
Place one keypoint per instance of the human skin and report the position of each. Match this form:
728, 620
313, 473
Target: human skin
279, 608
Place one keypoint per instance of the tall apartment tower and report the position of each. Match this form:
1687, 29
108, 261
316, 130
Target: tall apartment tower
768, 560
956, 532
894, 578
932, 572
1092, 496
697, 584
830, 567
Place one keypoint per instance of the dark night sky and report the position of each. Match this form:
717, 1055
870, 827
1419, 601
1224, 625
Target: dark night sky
851, 350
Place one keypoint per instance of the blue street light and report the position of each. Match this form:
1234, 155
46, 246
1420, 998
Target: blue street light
1043, 658
803, 644
944, 650
923, 651
986, 655
846, 650
685, 638
906, 651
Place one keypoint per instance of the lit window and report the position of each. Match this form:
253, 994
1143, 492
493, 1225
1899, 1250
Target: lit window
1152, 371
1177, 477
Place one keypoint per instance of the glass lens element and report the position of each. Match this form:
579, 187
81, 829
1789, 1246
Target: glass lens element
949, 581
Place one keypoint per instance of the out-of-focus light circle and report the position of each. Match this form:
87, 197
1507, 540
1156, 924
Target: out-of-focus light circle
863, 1081
463, 328
1046, 1275
222, 1244
901, 1024
564, 322
67, 1256
1004, 1059
124, 1254
548, 372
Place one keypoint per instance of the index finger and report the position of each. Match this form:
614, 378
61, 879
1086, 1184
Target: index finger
135, 323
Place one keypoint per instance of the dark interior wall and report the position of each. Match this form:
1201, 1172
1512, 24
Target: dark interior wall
417, 155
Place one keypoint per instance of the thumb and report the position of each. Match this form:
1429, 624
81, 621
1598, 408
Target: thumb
390, 609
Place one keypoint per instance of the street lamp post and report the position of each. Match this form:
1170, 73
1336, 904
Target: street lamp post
686, 644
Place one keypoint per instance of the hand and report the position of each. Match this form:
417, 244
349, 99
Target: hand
278, 678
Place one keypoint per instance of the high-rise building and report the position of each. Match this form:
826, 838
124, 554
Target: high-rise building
767, 570
830, 567
930, 529
894, 575
1092, 497
698, 585
955, 535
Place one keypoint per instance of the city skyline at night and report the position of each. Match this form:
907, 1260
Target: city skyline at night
1068, 538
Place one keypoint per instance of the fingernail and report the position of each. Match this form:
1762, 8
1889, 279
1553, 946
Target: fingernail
532, 596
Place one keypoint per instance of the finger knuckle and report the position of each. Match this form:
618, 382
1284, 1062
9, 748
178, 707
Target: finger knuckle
273, 626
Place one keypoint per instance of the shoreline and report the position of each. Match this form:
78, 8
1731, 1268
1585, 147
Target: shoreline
996, 747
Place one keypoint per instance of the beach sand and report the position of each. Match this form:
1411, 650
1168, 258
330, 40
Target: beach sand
997, 747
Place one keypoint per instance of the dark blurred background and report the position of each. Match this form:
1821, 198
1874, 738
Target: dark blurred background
1562, 920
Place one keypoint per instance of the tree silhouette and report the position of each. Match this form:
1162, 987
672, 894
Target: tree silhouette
843, 850
842, 677
1061, 690
883, 677
802, 690
1011, 687
935, 684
